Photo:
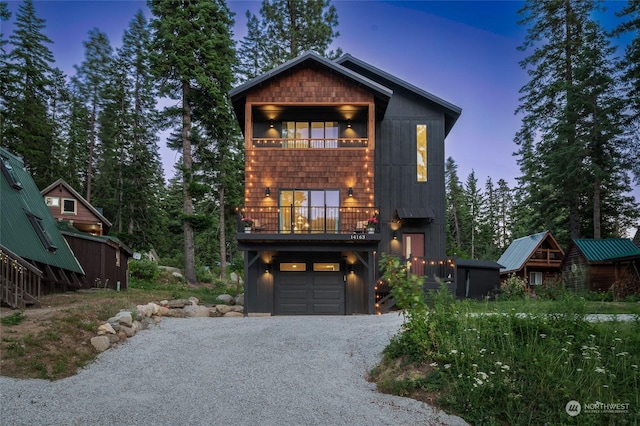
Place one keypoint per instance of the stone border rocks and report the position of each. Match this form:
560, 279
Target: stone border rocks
126, 324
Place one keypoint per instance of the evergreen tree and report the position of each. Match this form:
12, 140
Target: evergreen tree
193, 52
90, 79
457, 211
475, 201
287, 29
27, 126
630, 77
571, 126
504, 201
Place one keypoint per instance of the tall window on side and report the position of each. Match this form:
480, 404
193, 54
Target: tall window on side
421, 152
535, 278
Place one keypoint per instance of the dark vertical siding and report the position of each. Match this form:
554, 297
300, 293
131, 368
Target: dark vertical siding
98, 260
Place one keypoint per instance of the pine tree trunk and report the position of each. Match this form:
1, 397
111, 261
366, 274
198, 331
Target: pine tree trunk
92, 143
187, 176
597, 232
223, 236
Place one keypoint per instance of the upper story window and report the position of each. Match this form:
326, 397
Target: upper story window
310, 134
421, 152
69, 206
52, 201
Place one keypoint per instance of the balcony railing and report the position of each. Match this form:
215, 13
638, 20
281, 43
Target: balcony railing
307, 220
19, 280
310, 143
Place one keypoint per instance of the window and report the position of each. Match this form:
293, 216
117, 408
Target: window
68, 206
421, 152
309, 211
535, 278
326, 267
36, 223
293, 267
52, 201
310, 134
10, 175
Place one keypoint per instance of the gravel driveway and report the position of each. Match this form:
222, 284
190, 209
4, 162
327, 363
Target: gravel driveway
228, 371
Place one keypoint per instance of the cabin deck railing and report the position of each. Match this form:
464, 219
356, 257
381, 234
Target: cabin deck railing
20, 282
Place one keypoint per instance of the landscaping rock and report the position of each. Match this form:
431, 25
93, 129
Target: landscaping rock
196, 311
223, 309
106, 328
178, 303
194, 300
128, 331
226, 298
101, 343
237, 308
123, 317
233, 314
240, 299
113, 338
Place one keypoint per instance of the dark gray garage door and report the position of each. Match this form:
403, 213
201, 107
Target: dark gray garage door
309, 293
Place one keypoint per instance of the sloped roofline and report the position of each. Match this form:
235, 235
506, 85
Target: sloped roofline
524, 256
624, 249
78, 196
379, 89
452, 111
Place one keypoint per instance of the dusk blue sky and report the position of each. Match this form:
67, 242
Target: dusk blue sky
464, 52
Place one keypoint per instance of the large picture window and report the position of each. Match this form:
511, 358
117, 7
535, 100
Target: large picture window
309, 210
421, 152
310, 134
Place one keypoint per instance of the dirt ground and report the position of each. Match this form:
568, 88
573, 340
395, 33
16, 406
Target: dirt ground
53, 341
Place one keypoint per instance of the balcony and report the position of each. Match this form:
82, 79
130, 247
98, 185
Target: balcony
318, 143
322, 223
545, 257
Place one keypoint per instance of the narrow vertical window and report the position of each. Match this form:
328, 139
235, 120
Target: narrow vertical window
421, 152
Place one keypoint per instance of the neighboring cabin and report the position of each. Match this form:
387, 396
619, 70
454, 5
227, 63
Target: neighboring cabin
105, 259
535, 258
34, 257
343, 162
602, 263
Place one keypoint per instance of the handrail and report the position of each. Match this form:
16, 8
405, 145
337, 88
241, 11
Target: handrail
19, 280
305, 143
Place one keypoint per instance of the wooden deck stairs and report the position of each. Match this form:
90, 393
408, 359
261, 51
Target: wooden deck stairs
20, 281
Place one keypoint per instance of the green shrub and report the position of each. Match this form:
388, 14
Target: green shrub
144, 269
13, 319
513, 288
553, 290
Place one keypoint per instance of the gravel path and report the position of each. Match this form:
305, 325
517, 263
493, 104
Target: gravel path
221, 371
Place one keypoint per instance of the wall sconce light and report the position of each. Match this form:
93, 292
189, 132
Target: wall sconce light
267, 192
348, 124
351, 270
271, 124
395, 235
267, 268
350, 192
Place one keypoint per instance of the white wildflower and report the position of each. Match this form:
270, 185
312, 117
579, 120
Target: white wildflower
433, 364
483, 375
447, 366
453, 351
623, 354
542, 335
600, 370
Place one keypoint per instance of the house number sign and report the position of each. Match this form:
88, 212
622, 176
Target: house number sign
358, 236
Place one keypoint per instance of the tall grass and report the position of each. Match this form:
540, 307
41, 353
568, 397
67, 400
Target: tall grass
508, 368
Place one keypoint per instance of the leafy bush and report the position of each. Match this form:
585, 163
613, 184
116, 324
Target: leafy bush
553, 290
513, 288
144, 269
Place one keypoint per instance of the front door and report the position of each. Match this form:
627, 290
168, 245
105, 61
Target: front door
413, 252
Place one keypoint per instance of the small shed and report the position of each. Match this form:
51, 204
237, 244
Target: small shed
597, 265
535, 258
476, 279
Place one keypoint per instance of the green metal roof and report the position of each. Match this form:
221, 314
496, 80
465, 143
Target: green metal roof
608, 249
19, 199
518, 252
66, 227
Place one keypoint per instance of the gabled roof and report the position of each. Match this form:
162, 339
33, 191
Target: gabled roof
451, 111
605, 250
636, 238
378, 89
79, 198
519, 251
27, 227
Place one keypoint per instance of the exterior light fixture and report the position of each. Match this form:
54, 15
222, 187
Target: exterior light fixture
395, 235
267, 268
348, 124
350, 192
271, 124
351, 271
267, 192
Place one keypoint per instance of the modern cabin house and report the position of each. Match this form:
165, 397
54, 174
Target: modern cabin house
535, 258
34, 257
344, 162
105, 259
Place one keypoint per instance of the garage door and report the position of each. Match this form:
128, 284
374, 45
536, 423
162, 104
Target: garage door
310, 293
